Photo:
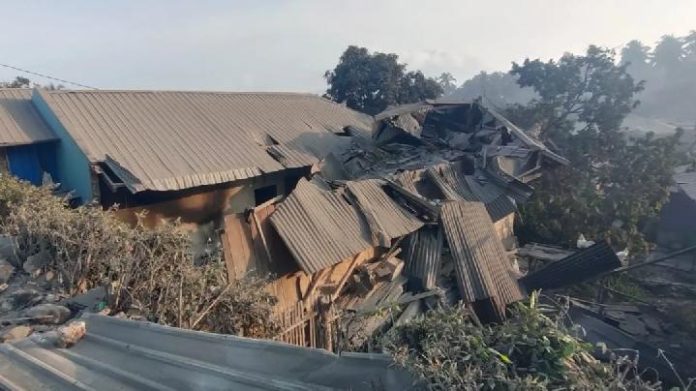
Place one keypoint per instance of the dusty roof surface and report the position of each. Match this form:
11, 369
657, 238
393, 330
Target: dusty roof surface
118, 354
481, 264
319, 227
20, 123
392, 220
171, 140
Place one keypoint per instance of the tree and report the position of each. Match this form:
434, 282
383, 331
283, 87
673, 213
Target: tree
370, 82
668, 53
614, 183
18, 82
636, 57
23, 82
448, 83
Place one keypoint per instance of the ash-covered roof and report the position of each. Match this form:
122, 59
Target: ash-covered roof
20, 123
174, 140
118, 354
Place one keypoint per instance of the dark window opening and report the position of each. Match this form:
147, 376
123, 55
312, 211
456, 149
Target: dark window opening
263, 194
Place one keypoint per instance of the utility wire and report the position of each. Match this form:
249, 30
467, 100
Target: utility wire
48, 77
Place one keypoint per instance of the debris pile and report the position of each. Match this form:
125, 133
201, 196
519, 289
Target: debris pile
433, 194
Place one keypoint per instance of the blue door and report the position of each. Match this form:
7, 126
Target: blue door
24, 163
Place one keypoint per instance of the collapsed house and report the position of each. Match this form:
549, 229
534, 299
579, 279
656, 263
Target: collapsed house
420, 212
349, 213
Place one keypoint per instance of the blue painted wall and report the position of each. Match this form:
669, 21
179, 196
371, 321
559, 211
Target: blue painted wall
72, 166
23, 162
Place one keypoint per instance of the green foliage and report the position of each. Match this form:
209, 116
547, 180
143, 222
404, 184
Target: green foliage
614, 183
529, 351
370, 82
151, 270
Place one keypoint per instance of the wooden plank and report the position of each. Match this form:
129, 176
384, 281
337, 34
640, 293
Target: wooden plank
264, 243
238, 246
345, 276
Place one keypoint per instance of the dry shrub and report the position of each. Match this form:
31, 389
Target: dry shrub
529, 351
151, 270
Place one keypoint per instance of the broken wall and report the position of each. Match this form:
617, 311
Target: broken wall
201, 211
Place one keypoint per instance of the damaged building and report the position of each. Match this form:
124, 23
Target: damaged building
416, 214
350, 214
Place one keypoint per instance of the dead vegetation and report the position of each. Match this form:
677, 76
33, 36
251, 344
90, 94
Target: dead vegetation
530, 351
146, 271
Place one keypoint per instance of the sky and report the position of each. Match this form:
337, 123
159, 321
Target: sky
284, 45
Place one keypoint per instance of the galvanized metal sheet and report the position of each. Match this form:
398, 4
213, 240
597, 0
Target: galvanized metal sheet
481, 265
423, 253
319, 227
577, 267
392, 220
20, 123
172, 140
119, 354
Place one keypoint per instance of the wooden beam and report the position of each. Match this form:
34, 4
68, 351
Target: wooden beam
345, 276
262, 236
315, 282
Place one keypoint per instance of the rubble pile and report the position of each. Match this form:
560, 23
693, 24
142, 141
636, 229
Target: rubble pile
436, 187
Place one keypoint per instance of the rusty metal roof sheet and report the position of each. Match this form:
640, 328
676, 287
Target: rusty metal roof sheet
422, 253
483, 270
120, 354
386, 218
20, 123
169, 140
319, 227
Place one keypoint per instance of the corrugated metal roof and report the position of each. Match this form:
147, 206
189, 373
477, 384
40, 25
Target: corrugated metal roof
20, 123
577, 267
526, 139
456, 186
481, 265
319, 227
387, 217
172, 140
291, 157
422, 253
118, 354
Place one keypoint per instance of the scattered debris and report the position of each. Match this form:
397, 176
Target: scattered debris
6, 271
67, 335
48, 313
16, 332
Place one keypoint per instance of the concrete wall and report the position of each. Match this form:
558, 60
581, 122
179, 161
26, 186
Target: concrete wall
72, 165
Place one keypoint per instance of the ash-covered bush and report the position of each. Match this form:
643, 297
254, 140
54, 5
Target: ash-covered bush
529, 351
151, 270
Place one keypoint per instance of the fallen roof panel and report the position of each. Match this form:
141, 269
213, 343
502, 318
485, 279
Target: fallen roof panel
319, 227
118, 354
423, 253
20, 123
386, 218
483, 270
577, 267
